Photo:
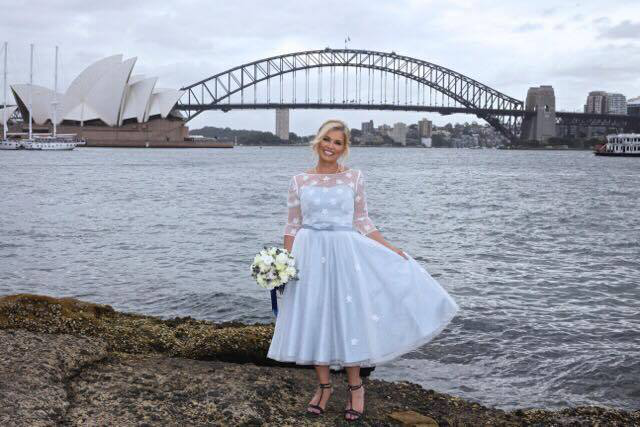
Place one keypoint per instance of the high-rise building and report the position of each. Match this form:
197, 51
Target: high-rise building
596, 102
616, 103
425, 128
367, 127
282, 123
399, 133
633, 107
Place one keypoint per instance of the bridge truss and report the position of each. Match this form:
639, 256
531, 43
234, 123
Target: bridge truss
352, 79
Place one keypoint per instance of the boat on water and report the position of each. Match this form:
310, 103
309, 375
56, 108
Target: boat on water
620, 145
6, 143
50, 142
37, 142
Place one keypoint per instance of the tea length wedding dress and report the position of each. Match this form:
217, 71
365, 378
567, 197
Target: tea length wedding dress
356, 302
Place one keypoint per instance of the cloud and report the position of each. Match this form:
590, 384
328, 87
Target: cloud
624, 30
528, 27
603, 20
507, 45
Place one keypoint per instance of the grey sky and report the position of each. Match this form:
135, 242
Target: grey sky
509, 45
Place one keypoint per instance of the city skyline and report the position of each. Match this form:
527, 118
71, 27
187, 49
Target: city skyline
577, 48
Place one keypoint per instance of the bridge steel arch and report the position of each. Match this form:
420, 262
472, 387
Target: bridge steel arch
473, 95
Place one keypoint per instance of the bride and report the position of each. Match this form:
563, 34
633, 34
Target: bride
359, 300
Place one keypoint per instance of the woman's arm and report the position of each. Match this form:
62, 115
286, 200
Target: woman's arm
288, 242
377, 236
363, 223
294, 215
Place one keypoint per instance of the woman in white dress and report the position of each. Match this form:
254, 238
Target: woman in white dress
359, 300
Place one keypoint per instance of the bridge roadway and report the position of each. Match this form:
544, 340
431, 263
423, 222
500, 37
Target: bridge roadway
353, 106
568, 116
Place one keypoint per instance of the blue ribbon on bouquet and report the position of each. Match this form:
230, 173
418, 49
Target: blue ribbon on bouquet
274, 299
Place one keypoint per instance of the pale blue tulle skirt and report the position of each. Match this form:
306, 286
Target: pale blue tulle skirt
356, 303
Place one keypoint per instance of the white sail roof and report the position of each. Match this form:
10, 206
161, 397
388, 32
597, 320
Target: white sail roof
74, 105
107, 94
162, 102
137, 99
42, 101
107, 91
8, 111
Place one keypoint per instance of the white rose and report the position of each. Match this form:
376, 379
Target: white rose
282, 259
284, 277
291, 262
257, 259
272, 251
267, 259
290, 271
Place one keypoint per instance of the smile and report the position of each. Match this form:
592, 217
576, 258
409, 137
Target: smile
328, 153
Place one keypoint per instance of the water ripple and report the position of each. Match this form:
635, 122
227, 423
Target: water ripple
540, 249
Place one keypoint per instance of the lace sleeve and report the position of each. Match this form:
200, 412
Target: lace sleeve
294, 219
361, 220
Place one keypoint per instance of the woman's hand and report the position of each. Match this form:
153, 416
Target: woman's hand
288, 242
399, 252
377, 236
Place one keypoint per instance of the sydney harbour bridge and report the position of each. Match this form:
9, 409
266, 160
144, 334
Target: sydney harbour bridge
370, 80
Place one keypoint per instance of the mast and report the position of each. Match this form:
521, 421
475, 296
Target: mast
55, 96
30, 91
4, 89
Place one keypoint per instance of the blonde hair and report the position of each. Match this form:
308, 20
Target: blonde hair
328, 126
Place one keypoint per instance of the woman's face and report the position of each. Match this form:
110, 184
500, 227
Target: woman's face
331, 146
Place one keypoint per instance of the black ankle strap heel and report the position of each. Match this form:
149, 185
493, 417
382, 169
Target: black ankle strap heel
318, 407
356, 414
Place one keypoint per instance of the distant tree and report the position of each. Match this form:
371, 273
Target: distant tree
293, 137
438, 140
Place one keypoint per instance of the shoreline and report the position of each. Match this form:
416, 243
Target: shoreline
91, 364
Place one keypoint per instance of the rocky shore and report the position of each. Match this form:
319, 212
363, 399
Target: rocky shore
69, 362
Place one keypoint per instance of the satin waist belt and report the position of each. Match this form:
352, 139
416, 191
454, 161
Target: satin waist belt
329, 227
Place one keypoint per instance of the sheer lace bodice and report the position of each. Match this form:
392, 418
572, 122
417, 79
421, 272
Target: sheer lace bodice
328, 199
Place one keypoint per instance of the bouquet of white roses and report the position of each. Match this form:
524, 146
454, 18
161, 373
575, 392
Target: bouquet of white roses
273, 268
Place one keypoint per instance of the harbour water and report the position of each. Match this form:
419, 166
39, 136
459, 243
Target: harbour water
540, 249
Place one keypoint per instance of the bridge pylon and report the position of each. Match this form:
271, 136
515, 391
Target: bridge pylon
542, 124
282, 123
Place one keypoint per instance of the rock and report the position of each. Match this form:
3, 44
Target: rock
68, 362
414, 419
35, 371
132, 333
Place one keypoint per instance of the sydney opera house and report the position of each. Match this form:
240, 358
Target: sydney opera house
107, 105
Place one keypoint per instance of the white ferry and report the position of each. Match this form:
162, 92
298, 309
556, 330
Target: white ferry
50, 142
621, 145
41, 142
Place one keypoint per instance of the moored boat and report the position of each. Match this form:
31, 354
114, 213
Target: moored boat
620, 145
53, 141
5, 143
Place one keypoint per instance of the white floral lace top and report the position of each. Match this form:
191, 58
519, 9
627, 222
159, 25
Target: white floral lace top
328, 199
